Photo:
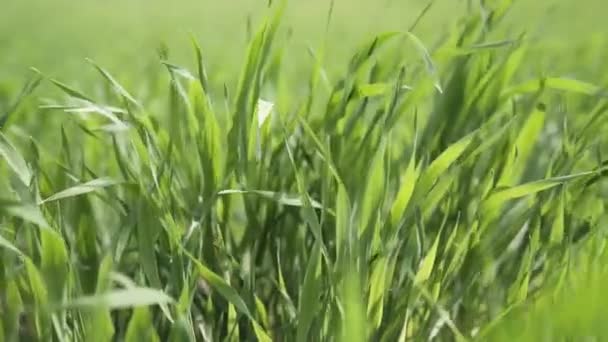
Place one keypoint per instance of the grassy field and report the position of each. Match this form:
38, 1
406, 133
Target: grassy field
316, 171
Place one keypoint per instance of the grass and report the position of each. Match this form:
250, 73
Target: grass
449, 187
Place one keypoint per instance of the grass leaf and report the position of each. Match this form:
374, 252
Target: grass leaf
15, 160
82, 189
122, 299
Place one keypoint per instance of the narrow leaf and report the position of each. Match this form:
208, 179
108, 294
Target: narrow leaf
122, 298
81, 189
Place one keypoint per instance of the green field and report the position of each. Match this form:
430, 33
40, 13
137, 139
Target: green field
314, 170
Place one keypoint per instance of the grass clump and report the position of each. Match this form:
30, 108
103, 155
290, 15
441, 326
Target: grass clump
439, 192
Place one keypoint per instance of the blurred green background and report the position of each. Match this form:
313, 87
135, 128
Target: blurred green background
56, 35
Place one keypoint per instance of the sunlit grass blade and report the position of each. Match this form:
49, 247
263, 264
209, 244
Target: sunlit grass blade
121, 299
442, 163
309, 305
4, 243
555, 83
428, 61
519, 156
67, 89
557, 229
501, 195
27, 212
82, 189
428, 262
229, 293
354, 323
120, 90
54, 264
15, 160
26, 91
141, 326
281, 198
308, 212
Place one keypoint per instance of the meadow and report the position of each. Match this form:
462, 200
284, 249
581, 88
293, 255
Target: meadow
303, 170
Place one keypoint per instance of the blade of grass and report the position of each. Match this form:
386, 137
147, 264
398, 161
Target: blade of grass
82, 189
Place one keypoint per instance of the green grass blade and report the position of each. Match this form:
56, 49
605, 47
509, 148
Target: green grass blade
4, 243
71, 91
15, 160
121, 299
27, 212
120, 90
54, 264
428, 262
141, 327
428, 61
229, 293
354, 323
309, 304
82, 189
557, 229
442, 163
554, 83
500, 196
281, 198
27, 90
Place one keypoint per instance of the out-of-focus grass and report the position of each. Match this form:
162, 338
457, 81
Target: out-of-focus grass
56, 36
